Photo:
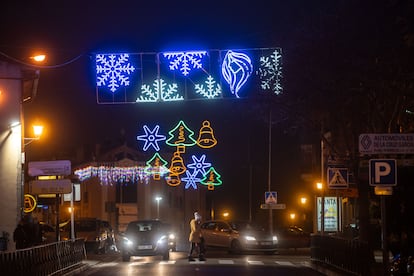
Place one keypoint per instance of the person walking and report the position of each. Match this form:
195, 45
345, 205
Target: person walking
20, 236
196, 238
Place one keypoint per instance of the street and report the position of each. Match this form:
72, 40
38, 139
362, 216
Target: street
219, 262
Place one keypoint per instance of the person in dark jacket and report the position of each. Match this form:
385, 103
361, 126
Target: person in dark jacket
20, 236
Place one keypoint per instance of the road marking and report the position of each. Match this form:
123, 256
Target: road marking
167, 262
226, 261
284, 263
255, 262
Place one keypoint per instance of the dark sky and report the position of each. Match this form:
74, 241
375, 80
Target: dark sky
66, 101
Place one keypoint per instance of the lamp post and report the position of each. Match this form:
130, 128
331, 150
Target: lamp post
158, 199
319, 187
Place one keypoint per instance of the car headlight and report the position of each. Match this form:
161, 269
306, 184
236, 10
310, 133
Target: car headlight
250, 238
274, 238
128, 242
163, 239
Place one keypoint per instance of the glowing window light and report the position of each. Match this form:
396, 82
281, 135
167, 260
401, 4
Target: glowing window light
270, 72
199, 166
190, 180
212, 89
151, 138
185, 61
236, 69
113, 70
160, 91
211, 179
181, 135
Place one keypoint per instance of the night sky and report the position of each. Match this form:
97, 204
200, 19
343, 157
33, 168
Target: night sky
66, 101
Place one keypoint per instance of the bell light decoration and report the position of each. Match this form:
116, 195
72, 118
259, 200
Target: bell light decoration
206, 137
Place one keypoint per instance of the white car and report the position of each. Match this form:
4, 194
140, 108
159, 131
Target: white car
238, 236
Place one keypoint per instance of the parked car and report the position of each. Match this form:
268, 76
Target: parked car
48, 233
95, 232
238, 236
293, 237
146, 238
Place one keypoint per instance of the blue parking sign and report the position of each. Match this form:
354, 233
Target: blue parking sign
382, 172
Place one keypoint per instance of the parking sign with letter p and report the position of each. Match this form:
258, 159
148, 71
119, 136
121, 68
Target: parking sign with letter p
382, 172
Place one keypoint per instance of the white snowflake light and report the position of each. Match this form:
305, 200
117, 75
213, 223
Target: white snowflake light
185, 61
113, 70
160, 91
212, 89
270, 72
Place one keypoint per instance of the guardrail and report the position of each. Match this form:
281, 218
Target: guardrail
49, 259
350, 256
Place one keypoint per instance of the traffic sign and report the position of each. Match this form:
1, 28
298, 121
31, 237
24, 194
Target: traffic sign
386, 143
57, 167
337, 178
382, 172
53, 186
270, 197
273, 206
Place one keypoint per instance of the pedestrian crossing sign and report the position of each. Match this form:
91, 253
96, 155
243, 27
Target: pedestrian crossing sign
337, 178
270, 197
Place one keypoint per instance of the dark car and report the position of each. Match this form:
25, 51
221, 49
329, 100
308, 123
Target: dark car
238, 236
94, 231
146, 238
293, 237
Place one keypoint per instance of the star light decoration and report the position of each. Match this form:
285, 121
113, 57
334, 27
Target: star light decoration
113, 70
151, 138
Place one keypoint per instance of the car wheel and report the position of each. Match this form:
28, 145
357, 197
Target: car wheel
125, 258
166, 255
235, 247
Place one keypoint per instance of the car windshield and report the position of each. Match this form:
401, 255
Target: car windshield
245, 226
143, 226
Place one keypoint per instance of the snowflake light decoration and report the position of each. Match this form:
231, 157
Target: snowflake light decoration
160, 91
113, 70
270, 72
199, 166
190, 180
185, 61
151, 138
212, 89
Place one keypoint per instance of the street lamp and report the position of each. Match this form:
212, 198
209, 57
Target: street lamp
319, 186
37, 130
158, 199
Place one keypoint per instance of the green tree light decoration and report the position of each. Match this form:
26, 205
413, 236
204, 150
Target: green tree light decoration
211, 179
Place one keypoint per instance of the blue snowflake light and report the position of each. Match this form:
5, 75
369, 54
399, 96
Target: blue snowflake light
199, 166
151, 138
191, 180
113, 70
185, 61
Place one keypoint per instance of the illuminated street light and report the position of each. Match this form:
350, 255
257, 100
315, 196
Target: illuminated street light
39, 58
226, 215
303, 200
158, 199
37, 130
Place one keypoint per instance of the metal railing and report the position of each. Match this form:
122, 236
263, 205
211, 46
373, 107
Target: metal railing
49, 259
348, 255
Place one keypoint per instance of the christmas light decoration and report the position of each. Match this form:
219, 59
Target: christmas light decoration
190, 180
109, 175
211, 179
270, 72
160, 91
113, 70
181, 135
199, 166
212, 89
236, 70
185, 61
206, 137
151, 138
156, 166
